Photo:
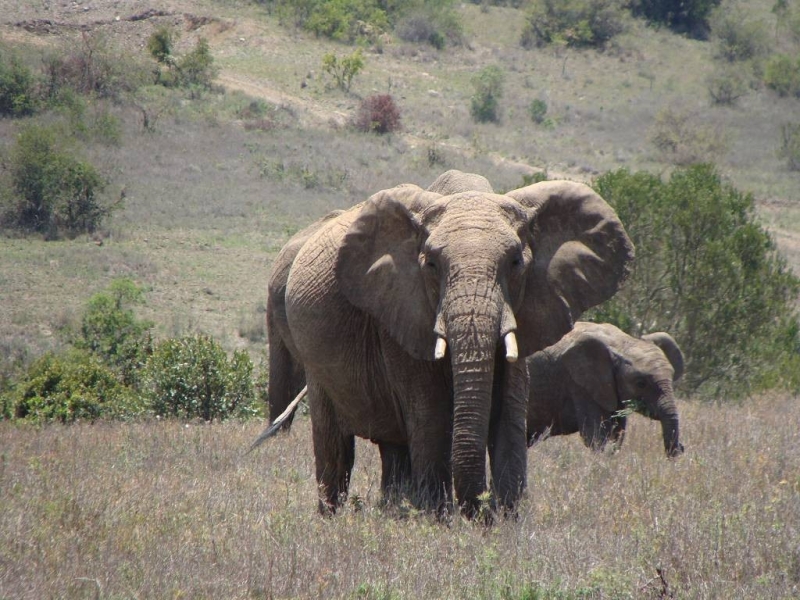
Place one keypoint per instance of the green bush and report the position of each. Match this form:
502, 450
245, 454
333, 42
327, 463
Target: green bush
738, 36
160, 44
782, 74
572, 22
197, 67
683, 16
435, 22
70, 386
344, 69
709, 274
110, 330
194, 70
537, 110
53, 192
485, 101
18, 95
192, 377
726, 86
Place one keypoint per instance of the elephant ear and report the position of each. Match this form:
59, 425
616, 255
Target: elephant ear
581, 257
670, 348
378, 270
590, 366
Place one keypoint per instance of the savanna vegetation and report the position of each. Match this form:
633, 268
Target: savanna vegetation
153, 163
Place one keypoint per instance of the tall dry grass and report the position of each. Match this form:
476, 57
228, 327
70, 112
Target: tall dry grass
175, 510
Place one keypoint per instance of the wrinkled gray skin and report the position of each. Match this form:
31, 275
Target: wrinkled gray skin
579, 383
287, 376
370, 290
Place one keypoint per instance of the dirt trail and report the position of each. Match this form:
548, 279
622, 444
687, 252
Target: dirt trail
309, 114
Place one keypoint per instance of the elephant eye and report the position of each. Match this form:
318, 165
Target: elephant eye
641, 383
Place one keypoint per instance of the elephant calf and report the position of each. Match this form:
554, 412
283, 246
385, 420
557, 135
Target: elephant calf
580, 384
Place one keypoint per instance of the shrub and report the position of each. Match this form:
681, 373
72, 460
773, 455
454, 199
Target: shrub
782, 74
682, 140
18, 96
485, 101
71, 386
160, 44
344, 69
192, 377
110, 330
347, 20
737, 35
726, 86
430, 21
378, 114
706, 272
790, 145
684, 16
54, 192
538, 110
572, 22
193, 70
197, 67
90, 67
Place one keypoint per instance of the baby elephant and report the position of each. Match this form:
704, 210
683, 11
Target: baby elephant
582, 382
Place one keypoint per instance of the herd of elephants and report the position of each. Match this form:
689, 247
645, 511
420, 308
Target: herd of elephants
404, 318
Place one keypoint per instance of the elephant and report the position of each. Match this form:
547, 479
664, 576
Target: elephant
582, 382
406, 315
287, 375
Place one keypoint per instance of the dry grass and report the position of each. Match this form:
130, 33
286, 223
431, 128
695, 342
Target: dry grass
165, 509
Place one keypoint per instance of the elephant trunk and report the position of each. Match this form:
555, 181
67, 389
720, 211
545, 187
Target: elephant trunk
667, 412
474, 322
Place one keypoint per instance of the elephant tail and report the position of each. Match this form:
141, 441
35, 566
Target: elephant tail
275, 426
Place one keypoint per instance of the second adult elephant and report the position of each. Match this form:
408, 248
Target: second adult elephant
408, 313
582, 383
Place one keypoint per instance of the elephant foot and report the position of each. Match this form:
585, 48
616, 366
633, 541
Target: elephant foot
675, 451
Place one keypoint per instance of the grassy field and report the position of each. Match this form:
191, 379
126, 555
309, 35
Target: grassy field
173, 510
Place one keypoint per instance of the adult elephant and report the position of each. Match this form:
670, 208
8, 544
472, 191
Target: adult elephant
583, 383
286, 373
408, 313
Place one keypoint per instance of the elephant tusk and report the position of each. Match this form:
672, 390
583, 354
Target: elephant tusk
441, 348
512, 353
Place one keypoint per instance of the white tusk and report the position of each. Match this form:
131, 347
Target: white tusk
512, 353
441, 348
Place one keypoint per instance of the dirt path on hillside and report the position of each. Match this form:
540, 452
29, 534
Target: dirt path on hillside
309, 114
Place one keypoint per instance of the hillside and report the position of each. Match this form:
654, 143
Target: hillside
210, 196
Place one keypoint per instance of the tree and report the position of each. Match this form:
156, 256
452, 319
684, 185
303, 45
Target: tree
54, 192
485, 102
344, 69
707, 273
683, 16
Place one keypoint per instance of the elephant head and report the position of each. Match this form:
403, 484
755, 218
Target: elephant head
607, 367
478, 279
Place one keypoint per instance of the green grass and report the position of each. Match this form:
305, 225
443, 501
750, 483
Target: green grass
162, 509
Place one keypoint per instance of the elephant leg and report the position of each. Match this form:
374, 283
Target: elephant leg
508, 448
430, 449
595, 426
396, 469
334, 451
